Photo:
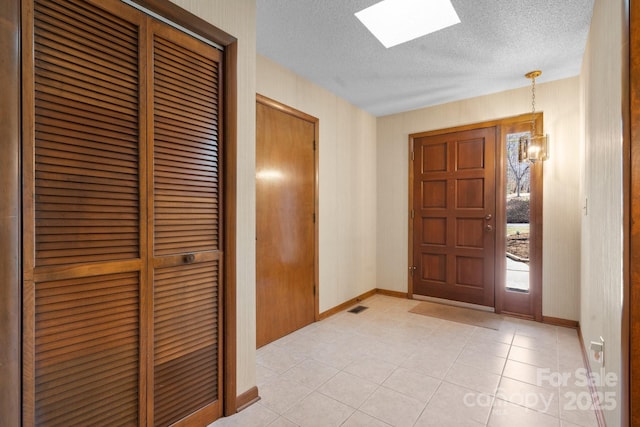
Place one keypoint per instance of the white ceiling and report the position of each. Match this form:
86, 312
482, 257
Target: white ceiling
496, 43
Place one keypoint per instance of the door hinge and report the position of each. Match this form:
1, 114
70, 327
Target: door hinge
314, 217
314, 145
314, 290
413, 213
412, 156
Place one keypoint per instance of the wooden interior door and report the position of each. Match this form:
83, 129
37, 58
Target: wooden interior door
285, 221
453, 216
122, 219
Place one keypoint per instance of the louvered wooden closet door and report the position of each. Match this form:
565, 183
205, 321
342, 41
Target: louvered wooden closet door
82, 325
187, 256
122, 219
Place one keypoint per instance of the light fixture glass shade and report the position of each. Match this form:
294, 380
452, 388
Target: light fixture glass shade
533, 148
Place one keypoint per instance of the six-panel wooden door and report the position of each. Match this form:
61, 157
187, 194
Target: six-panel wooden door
454, 210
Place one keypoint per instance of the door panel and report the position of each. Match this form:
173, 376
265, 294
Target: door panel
186, 340
285, 229
86, 153
186, 234
454, 204
83, 216
86, 353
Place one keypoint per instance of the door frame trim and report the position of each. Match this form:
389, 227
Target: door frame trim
630, 328
10, 213
536, 279
316, 157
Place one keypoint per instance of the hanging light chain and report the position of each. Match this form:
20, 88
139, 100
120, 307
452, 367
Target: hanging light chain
533, 106
533, 95
532, 75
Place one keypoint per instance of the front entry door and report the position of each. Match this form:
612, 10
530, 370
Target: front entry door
285, 220
453, 216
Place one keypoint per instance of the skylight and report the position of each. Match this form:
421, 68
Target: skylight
397, 21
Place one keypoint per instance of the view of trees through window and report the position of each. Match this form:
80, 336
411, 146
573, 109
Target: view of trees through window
518, 188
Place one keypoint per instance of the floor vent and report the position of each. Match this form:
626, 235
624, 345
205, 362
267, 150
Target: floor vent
357, 309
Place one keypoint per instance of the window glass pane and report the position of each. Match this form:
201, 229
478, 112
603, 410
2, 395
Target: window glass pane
517, 203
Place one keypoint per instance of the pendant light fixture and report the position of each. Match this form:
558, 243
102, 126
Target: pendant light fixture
533, 147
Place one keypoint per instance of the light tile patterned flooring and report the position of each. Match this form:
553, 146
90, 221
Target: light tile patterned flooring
388, 367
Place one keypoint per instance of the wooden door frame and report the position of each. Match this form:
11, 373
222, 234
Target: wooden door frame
316, 204
536, 288
11, 195
630, 387
10, 214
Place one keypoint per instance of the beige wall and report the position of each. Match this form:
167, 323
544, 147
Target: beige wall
602, 278
347, 182
238, 18
559, 101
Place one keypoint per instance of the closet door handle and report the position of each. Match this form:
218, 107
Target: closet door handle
189, 258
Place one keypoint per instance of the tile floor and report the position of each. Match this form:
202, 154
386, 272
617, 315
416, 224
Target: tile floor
388, 367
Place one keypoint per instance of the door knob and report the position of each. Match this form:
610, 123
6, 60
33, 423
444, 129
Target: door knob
488, 217
489, 227
189, 258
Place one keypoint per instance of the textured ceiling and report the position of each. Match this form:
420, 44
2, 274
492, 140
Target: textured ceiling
496, 43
